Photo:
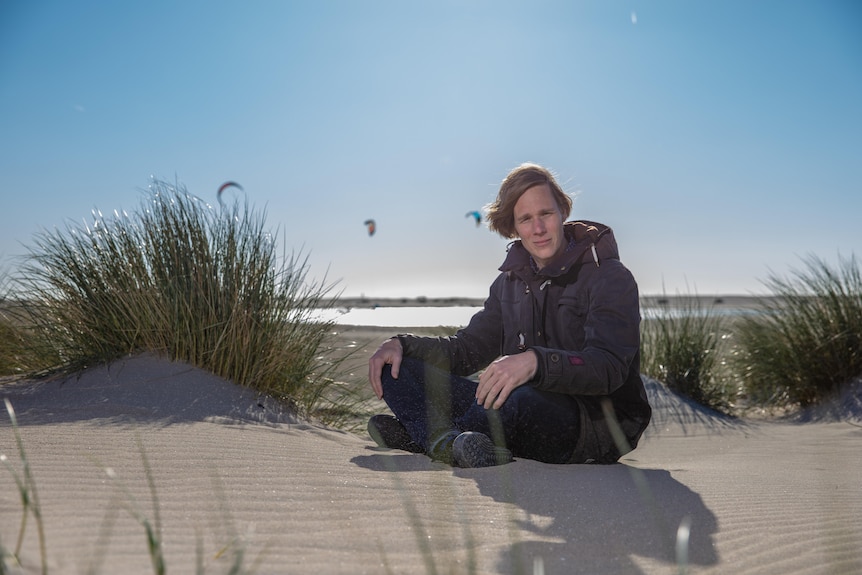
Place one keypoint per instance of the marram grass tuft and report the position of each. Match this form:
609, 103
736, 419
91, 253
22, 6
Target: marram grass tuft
182, 278
807, 342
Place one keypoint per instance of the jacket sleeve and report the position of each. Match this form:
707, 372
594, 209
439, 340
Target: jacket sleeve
611, 339
471, 349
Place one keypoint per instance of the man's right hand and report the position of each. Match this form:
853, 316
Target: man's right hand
390, 352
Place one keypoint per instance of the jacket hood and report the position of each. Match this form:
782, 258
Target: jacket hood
589, 242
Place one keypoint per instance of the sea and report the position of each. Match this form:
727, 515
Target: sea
459, 315
401, 316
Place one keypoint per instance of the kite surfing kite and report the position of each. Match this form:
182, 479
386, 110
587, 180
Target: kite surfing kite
476, 215
226, 185
371, 227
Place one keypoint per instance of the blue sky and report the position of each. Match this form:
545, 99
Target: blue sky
722, 140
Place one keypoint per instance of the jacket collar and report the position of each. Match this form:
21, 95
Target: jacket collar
593, 242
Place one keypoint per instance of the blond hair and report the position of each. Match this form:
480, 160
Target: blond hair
501, 212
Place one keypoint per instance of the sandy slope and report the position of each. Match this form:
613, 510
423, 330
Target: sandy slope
233, 472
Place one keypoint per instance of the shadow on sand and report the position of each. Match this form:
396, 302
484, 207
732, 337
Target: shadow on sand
585, 518
599, 517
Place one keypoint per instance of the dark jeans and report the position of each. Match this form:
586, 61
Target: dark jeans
432, 403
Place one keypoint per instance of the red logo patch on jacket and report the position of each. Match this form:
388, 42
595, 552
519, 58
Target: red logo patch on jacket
576, 360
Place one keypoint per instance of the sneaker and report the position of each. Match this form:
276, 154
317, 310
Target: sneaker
472, 449
386, 431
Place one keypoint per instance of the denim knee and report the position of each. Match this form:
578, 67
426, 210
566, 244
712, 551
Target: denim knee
410, 371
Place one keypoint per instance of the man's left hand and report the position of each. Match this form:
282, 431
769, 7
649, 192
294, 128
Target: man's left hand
504, 375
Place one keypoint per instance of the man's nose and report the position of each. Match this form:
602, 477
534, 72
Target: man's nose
539, 226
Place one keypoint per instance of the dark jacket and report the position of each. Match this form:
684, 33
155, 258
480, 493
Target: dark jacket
581, 316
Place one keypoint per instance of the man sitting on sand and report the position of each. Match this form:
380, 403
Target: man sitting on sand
558, 339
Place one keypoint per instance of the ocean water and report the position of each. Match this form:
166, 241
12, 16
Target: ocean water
406, 316
457, 316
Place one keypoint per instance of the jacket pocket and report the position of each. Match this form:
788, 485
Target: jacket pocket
572, 314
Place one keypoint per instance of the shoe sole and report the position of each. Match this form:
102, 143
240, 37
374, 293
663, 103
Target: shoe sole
477, 450
403, 442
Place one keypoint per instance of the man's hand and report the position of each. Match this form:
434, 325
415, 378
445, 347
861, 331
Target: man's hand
503, 375
390, 352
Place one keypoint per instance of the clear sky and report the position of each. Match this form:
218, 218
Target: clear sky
721, 139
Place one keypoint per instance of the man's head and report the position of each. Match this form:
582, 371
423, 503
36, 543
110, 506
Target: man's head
531, 206
500, 213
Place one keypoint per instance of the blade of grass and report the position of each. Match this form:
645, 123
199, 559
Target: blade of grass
29, 494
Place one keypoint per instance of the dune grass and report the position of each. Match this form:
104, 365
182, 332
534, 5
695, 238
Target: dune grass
21, 351
179, 277
801, 344
807, 342
682, 346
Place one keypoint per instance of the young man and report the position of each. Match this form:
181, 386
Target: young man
558, 339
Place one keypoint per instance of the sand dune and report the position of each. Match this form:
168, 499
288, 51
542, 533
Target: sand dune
234, 472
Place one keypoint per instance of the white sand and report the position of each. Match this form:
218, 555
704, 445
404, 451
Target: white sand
234, 472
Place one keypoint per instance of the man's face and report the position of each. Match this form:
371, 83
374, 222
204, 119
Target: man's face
539, 224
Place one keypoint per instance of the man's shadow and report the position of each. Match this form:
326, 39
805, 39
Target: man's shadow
588, 518
601, 516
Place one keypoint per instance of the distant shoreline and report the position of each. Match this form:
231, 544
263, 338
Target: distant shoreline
722, 301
